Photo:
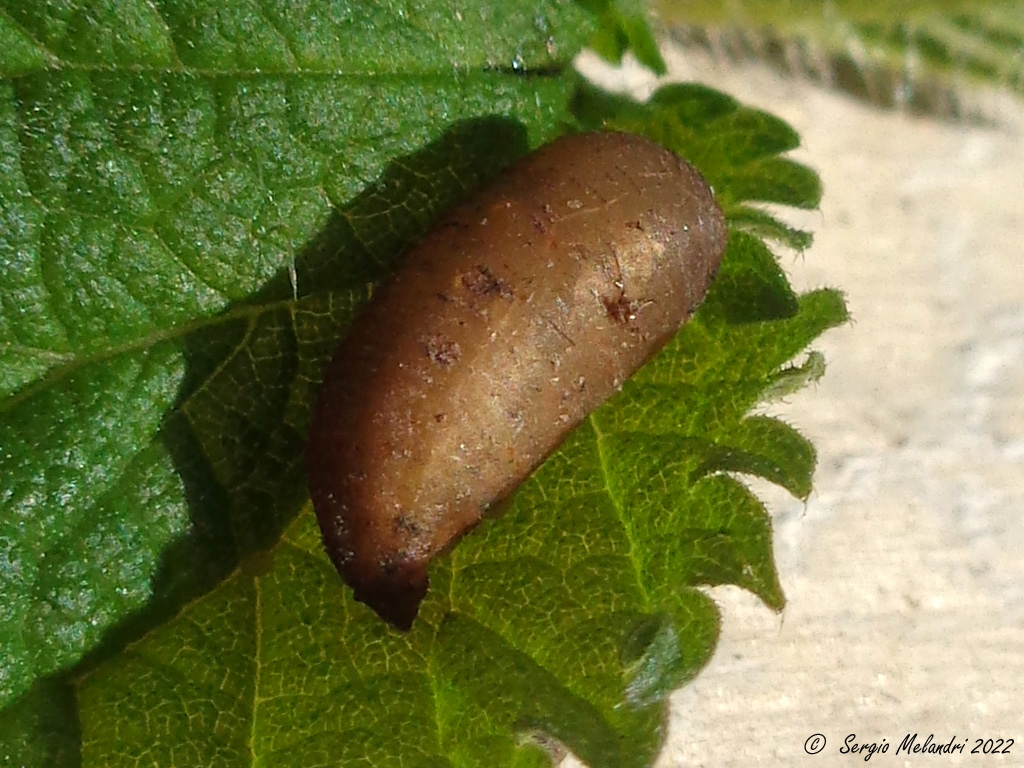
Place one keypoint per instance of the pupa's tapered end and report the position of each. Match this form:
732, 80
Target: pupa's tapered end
395, 593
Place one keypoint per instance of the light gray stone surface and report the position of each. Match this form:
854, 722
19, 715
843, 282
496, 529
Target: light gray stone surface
905, 570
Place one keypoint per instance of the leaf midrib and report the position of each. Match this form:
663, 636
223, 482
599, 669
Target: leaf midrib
247, 312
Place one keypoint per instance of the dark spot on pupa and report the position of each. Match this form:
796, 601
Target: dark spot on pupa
620, 309
441, 350
480, 281
407, 524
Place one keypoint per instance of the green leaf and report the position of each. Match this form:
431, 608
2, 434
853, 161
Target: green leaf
624, 28
159, 190
196, 204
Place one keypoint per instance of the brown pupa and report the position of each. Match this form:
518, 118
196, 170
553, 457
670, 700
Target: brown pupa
518, 314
